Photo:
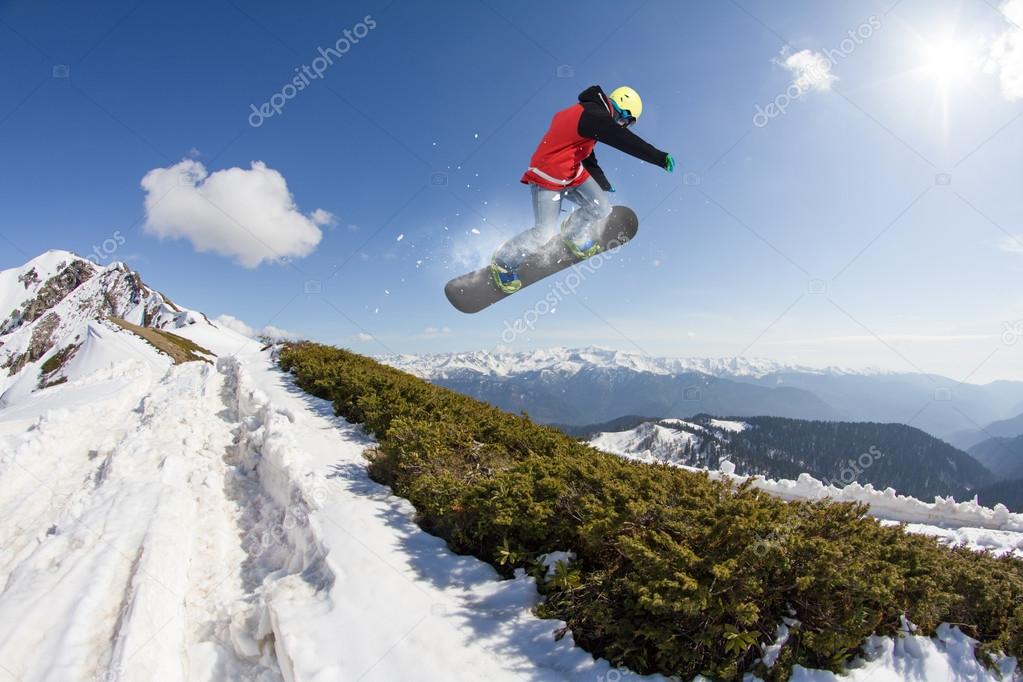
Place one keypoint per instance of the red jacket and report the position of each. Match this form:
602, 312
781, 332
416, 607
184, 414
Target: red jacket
565, 157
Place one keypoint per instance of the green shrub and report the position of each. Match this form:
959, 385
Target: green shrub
674, 572
59, 359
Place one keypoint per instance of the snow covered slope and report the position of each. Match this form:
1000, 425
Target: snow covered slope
664, 440
210, 521
648, 440
54, 308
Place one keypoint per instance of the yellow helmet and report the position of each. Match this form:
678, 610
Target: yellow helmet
628, 99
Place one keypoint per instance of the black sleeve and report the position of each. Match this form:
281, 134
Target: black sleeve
595, 171
596, 124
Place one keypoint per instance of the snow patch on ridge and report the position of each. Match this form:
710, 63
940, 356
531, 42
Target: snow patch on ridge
649, 442
732, 426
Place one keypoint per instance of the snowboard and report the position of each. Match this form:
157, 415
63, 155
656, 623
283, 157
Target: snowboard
474, 291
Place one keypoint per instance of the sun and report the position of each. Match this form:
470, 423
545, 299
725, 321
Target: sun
947, 61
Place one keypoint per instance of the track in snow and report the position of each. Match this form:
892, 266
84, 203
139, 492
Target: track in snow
124, 526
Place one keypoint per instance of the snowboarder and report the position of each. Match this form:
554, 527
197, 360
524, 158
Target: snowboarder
565, 166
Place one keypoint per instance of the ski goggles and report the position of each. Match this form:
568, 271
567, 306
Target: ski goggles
623, 117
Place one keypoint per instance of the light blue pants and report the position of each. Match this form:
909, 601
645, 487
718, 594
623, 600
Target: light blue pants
592, 208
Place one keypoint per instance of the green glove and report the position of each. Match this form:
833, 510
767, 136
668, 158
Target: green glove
669, 163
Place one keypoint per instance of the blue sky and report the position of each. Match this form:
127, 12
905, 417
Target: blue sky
877, 221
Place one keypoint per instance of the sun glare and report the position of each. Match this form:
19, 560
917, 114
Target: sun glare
947, 60
946, 64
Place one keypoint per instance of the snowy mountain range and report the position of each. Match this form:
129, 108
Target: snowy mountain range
589, 385
175, 508
569, 361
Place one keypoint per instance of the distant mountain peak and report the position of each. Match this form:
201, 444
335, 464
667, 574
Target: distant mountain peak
48, 307
572, 360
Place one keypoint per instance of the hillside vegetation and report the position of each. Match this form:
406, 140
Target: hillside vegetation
177, 347
1009, 493
672, 572
1002, 455
903, 457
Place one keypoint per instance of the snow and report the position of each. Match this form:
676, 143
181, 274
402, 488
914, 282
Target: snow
109, 509
887, 504
13, 292
214, 522
732, 426
947, 656
551, 560
648, 442
773, 650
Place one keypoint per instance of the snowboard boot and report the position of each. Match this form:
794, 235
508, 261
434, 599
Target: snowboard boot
582, 250
505, 277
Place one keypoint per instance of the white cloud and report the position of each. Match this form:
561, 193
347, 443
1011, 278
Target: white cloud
810, 70
277, 334
245, 214
235, 325
268, 332
435, 331
1011, 244
1005, 56
362, 336
323, 218
889, 338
